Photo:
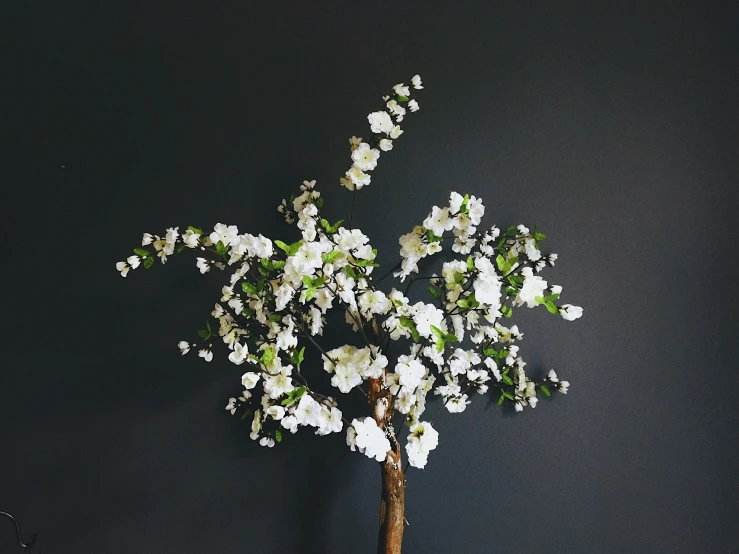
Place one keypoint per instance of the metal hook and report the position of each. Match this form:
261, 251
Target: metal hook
25, 546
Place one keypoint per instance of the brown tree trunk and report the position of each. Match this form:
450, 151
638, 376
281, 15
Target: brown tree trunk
392, 506
392, 500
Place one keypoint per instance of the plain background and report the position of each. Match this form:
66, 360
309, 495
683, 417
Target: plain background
613, 126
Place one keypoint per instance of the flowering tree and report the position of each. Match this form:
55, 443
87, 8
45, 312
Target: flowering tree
454, 346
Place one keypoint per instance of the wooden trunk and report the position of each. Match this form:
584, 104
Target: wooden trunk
392, 500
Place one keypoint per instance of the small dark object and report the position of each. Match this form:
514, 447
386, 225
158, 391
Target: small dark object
26, 546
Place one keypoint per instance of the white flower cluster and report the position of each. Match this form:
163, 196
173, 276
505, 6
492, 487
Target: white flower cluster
385, 129
278, 296
461, 217
351, 365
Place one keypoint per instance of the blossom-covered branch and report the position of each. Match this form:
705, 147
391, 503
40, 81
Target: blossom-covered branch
454, 345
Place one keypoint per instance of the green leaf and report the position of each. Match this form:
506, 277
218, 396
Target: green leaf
365, 263
464, 207
246, 414
506, 311
221, 248
508, 395
309, 282
547, 301
501, 399
275, 318
431, 237
195, 230
436, 293
507, 380
272, 265
203, 334
437, 332
351, 272
248, 288
248, 312
470, 263
545, 390
331, 229
401, 98
180, 248
263, 272
278, 435
148, 262
297, 356
408, 323
267, 356
141, 252
458, 277
310, 293
504, 265
330, 257
289, 249
319, 202
293, 396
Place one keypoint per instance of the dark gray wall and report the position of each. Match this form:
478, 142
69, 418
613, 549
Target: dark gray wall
614, 128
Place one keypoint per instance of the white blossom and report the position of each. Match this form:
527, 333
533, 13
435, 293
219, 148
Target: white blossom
422, 439
438, 221
231, 406
307, 412
570, 312
533, 286
401, 90
133, 261
275, 412
358, 177
239, 354
329, 421
380, 122
225, 234
203, 265
283, 295
290, 423
123, 267
190, 238
250, 380
365, 158
369, 439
